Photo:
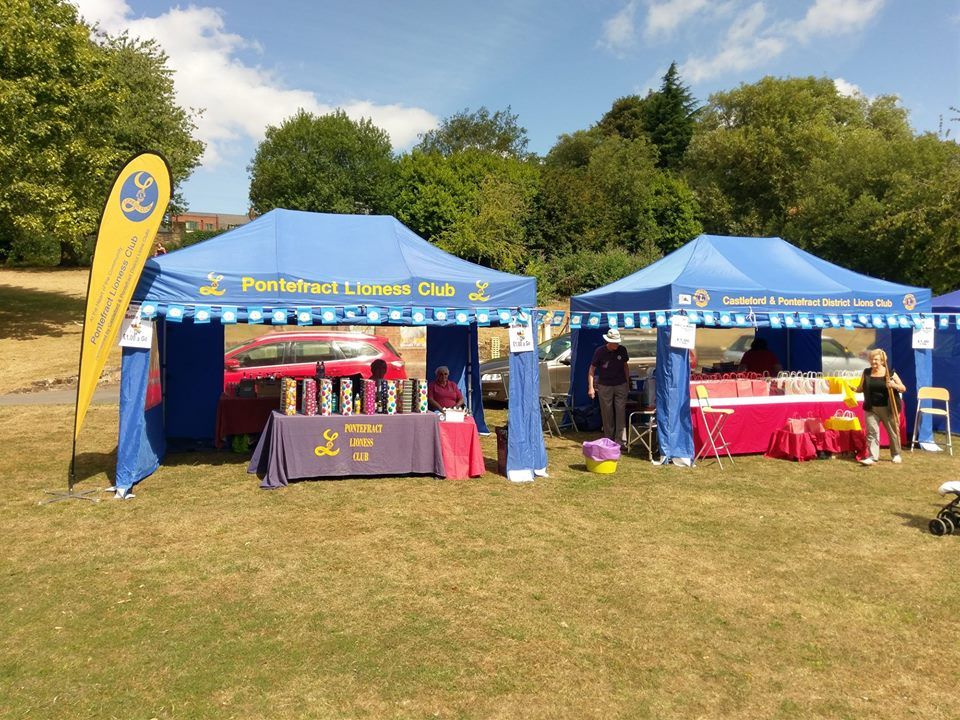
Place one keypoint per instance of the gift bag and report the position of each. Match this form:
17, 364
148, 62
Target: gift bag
813, 425
796, 426
849, 397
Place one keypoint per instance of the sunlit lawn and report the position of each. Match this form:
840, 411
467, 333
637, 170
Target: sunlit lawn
766, 590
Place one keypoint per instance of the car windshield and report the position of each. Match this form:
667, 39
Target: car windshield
554, 347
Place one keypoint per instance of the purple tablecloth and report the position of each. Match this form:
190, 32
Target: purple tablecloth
292, 447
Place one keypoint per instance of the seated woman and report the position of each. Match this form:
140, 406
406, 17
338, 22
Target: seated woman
442, 393
759, 359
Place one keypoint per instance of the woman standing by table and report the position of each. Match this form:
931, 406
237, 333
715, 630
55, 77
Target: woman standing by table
881, 388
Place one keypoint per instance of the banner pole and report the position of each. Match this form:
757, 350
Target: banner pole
132, 213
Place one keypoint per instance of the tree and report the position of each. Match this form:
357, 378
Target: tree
670, 116
605, 192
322, 164
754, 147
475, 204
69, 104
665, 117
499, 133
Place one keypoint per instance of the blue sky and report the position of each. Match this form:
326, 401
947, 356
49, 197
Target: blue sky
558, 64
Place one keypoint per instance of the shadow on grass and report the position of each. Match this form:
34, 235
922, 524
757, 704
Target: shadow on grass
916, 522
27, 314
205, 457
90, 464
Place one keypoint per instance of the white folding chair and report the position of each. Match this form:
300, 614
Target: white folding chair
713, 421
933, 394
555, 408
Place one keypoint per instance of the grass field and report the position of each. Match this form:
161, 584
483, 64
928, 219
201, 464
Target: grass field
766, 590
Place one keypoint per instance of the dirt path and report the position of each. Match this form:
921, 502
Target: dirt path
105, 395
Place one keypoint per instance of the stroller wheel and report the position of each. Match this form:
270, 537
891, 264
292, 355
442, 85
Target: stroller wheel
938, 527
950, 525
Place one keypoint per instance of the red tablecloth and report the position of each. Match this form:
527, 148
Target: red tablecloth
751, 426
462, 457
237, 416
786, 445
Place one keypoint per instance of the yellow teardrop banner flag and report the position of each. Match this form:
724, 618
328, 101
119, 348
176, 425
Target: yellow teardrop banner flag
131, 218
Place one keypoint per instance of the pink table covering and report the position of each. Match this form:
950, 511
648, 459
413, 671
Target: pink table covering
460, 443
750, 428
786, 445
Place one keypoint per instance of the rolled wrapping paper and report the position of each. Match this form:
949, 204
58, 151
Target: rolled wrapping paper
421, 396
326, 396
308, 396
288, 396
346, 396
381, 396
391, 404
369, 397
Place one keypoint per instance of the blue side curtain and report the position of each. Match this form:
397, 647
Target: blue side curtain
447, 345
140, 442
915, 368
946, 374
525, 448
584, 343
194, 379
674, 426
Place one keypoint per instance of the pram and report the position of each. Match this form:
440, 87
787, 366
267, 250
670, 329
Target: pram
948, 519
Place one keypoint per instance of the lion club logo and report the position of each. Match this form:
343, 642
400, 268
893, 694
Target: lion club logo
479, 295
214, 287
138, 196
909, 301
701, 297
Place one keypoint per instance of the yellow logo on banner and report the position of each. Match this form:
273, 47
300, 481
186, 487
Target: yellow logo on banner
909, 301
129, 224
214, 287
331, 437
478, 296
701, 298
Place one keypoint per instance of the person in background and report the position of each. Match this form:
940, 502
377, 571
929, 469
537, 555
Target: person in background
610, 366
442, 393
159, 249
378, 369
759, 359
879, 384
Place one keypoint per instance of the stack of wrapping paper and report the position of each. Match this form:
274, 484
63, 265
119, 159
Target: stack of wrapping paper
308, 396
369, 395
288, 396
420, 396
390, 403
346, 396
407, 404
326, 396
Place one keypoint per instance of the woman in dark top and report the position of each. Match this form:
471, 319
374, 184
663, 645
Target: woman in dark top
613, 373
878, 384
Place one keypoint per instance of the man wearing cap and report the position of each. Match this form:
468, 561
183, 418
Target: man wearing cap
610, 366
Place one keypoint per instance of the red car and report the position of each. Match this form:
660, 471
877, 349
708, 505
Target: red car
296, 354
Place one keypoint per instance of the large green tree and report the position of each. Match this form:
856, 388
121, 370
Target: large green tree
475, 204
73, 107
326, 163
666, 117
499, 133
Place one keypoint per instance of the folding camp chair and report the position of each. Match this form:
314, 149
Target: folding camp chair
642, 430
933, 394
555, 408
713, 421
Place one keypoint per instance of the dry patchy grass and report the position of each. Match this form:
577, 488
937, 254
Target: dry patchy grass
41, 318
771, 590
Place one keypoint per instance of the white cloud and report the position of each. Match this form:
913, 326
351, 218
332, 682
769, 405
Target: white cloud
619, 31
836, 17
664, 17
753, 40
744, 47
847, 89
238, 100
